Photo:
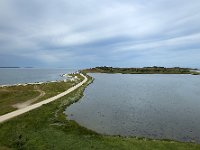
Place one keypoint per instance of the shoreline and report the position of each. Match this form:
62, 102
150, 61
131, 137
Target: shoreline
31, 83
36, 83
133, 136
50, 121
65, 78
39, 104
121, 136
144, 70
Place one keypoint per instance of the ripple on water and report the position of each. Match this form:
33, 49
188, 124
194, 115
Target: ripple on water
153, 106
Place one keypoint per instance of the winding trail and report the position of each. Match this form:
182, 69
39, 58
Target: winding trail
34, 106
30, 101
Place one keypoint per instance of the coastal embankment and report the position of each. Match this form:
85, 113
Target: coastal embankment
34, 106
47, 127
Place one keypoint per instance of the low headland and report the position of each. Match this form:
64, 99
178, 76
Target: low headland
47, 127
144, 70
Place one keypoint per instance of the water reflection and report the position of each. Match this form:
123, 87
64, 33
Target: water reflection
154, 106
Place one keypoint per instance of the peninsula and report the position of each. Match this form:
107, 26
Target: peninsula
144, 70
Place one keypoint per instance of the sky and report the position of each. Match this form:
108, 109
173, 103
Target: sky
89, 33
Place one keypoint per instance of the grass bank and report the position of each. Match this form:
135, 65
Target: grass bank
47, 128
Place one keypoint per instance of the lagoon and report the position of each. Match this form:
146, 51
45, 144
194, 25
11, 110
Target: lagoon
144, 105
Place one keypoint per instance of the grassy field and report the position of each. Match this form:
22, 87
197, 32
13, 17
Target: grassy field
47, 128
12, 95
15, 94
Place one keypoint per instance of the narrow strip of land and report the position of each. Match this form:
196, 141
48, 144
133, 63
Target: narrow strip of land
34, 106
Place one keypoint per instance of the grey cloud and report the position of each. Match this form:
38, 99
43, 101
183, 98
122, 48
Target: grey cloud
91, 32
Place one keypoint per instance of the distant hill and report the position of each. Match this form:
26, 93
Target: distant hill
9, 67
144, 70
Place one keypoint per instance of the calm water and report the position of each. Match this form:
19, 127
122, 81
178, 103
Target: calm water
153, 106
18, 75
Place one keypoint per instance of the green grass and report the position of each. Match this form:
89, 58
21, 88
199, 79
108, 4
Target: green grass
54, 88
17, 94
47, 128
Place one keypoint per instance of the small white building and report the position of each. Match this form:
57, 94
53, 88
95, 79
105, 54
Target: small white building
72, 79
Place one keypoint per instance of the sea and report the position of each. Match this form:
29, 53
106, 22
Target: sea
10, 76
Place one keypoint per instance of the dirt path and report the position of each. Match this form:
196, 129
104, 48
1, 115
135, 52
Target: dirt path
34, 106
28, 102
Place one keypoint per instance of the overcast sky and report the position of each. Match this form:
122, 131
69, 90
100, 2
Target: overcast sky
88, 33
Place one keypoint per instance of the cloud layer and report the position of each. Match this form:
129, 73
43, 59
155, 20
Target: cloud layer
132, 33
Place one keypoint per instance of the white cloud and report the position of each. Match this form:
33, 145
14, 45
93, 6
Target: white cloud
162, 44
36, 26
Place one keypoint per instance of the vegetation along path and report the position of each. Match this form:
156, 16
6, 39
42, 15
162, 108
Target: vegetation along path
30, 101
34, 106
